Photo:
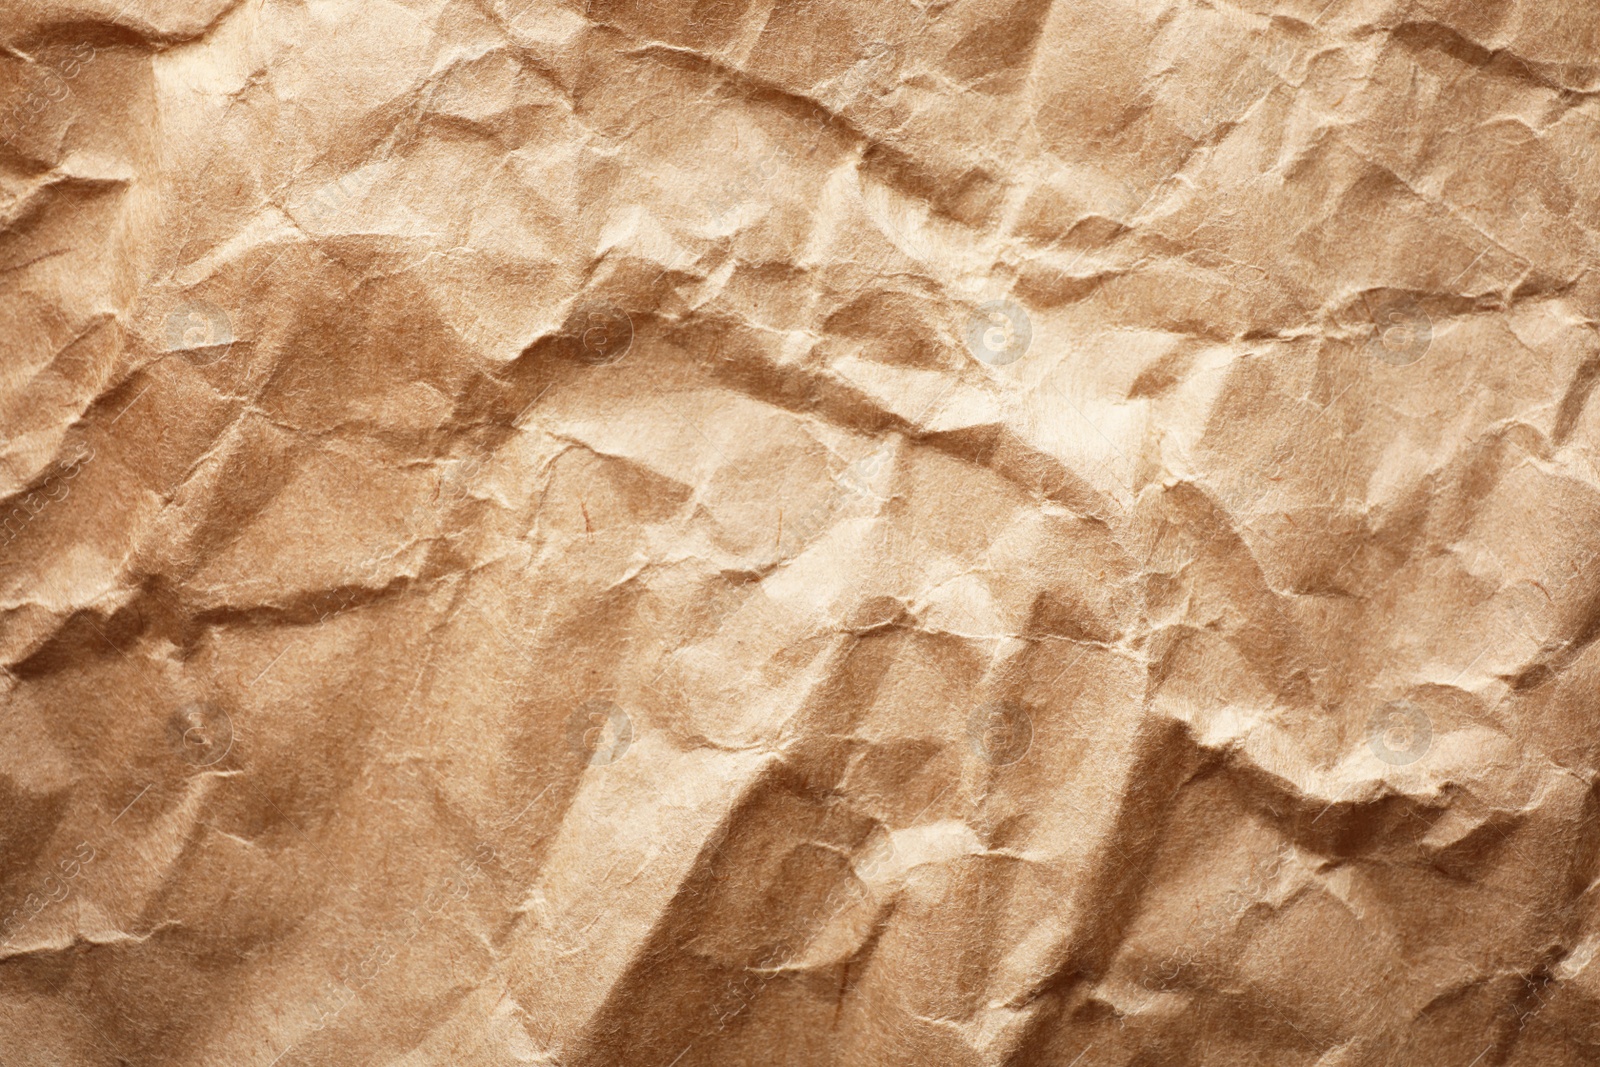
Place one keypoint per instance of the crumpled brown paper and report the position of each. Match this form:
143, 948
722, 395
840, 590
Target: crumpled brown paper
983, 532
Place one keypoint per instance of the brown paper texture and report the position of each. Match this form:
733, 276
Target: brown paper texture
671, 534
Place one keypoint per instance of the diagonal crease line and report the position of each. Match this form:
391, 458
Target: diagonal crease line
269, 666
129, 404
1469, 666
131, 803
1062, 393
1329, 406
99, 1032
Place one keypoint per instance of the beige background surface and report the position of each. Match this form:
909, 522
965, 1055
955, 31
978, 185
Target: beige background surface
711, 533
